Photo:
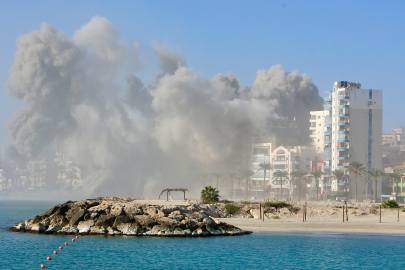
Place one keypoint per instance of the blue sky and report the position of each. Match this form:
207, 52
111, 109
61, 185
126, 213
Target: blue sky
359, 41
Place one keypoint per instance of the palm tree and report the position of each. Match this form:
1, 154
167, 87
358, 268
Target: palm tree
338, 174
264, 167
209, 194
375, 173
395, 177
317, 175
280, 175
246, 174
357, 169
232, 175
217, 175
298, 176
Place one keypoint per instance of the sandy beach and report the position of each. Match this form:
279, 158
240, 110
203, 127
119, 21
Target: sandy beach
326, 222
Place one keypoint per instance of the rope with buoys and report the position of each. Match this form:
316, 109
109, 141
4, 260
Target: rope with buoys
60, 248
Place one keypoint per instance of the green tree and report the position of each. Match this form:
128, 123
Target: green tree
281, 175
375, 173
395, 177
317, 175
246, 174
264, 167
357, 169
209, 194
338, 175
298, 176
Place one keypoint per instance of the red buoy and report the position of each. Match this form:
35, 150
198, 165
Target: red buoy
60, 247
55, 252
74, 239
49, 258
42, 266
66, 243
77, 237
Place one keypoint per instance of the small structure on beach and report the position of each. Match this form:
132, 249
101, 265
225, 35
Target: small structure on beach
168, 190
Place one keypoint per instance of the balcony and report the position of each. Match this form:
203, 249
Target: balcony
343, 141
328, 100
328, 133
328, 91
343, 106
326, 167
342, 149
328, 125
343, 184
343, 132
344, 97
328, 108
343, 158
343, 114
343, 167
343, 123
327, 142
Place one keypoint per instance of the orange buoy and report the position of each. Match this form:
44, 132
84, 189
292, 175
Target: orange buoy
49, 258
60, 247
42, 266
77, 236
74, 239
55, 252
66, 243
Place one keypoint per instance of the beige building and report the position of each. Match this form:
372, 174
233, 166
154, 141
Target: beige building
317, 130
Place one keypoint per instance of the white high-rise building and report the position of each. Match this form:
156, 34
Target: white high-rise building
353, 132
317, 130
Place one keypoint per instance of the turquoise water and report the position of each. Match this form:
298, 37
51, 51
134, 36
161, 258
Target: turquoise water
256, 251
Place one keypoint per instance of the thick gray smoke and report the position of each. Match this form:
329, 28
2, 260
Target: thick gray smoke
138, 140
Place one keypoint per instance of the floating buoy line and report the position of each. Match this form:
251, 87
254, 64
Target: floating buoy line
56, 253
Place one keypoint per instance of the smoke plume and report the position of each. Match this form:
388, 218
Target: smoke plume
138, 139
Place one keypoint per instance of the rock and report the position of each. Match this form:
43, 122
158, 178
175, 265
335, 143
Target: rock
85, 226
115, 216
167, 209
119, 220
117, 209
145, 221
165, 221
77, 217
105, 221
98, 230
132, 210
255, 213
130, 228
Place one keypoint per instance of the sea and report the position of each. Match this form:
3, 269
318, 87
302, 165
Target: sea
255, 251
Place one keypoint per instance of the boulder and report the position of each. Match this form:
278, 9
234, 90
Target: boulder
130, 228
119, 220
77, 217
85, 226
169, 222
145, 221
132, 210
105, 221
167, 209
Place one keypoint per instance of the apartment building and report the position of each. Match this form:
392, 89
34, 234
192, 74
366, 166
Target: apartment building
317, 130
353, 132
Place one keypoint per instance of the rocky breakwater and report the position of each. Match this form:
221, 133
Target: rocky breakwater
121, 216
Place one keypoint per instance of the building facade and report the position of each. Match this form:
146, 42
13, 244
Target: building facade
353, 132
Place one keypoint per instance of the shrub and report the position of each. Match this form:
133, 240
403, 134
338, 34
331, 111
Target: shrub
275, 204
403, 210
245, 202
389, 204
231, 208
276, 217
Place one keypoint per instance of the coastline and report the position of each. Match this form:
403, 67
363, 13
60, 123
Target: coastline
314, 226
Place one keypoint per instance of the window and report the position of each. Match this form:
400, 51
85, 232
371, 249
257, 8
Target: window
319, 117
313, 117
318, 140
280, 152
370, 103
